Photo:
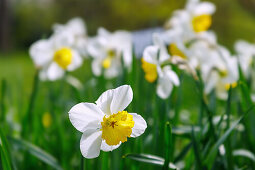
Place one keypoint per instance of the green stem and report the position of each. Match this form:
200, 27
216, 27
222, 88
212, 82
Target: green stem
2, 101
28, 120
228, 142
168, 145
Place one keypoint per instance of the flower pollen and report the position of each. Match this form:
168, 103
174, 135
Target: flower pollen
63, 57
117, 127
150, 71
202, 22
175, 51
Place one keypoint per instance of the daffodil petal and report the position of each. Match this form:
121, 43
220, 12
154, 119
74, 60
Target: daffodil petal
171, 75
41, 52
86, 116
96, 67
107, 148
164, 87
204, 8
140, 125
122, 96
55, 72
150, 54
76, 61
104, 101
90, 143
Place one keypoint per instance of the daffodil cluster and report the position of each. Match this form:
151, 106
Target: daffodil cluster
69, 45
188, 44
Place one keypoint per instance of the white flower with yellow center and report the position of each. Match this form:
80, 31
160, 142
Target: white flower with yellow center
246, 53
73, 32
106, 124
108, 50
153, 64
54, 57
194, 19
218, 68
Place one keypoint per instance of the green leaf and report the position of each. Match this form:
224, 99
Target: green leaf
151, 159
213, 152
5, 154
184, 130
183, 153
244, 153
36, 151
168, 145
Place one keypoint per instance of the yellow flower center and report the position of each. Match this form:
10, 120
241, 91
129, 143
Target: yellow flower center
63, 57
223, 73
202, 22
117, 127
46, 120
108, 60
150, 71
233, 85
175, 51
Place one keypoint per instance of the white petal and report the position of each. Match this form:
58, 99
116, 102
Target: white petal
114, 70
76, 61
90, 143
204, 8
140, 125
86, 115
105, 147
164, 87
104, 101
41, 52
96, 67
122, 96
55, 72
150, 54
171, 75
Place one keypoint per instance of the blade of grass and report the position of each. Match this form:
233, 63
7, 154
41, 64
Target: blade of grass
228, 142
212, 154
244, 153
5, 154
151, 159
36, 151
168, 145
2, 101
196, 150
27, 122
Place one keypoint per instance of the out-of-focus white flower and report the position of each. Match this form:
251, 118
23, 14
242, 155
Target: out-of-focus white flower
155, 67
53, 57
108, 51
218, 68
246, 53
73, 32
194, 19
105, 125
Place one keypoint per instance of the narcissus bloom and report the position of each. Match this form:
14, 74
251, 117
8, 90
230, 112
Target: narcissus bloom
246, 53
105, 124
53, 57
156, 65
74, 32
194, 19
110, 52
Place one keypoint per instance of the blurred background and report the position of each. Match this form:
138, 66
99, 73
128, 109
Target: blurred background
25, 21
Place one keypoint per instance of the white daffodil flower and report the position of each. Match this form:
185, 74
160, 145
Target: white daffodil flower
108, 51
105, 125
53, 57
246, 53
154, 58
218, 68
194, 19
73, 32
